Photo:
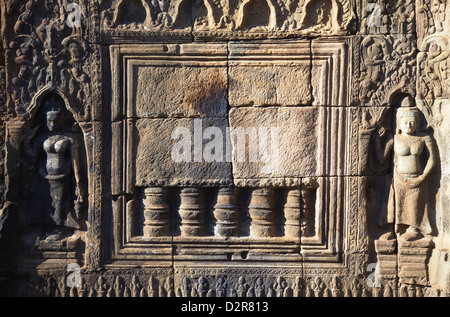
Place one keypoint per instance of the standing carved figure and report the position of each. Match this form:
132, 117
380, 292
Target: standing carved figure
407, 205
58, 191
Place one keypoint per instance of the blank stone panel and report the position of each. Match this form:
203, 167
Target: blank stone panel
265, 74
156, 143
177, 90
283, 127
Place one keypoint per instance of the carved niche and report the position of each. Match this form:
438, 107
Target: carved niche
139, 177
197, 201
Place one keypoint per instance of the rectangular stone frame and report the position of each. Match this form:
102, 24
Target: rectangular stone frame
326, 249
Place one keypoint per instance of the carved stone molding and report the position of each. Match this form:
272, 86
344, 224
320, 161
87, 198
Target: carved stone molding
227, 19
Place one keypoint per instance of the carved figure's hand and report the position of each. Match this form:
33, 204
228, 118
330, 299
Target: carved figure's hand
414, 182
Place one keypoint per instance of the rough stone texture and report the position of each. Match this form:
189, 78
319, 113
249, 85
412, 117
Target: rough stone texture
347, 193
161, 169
294, 125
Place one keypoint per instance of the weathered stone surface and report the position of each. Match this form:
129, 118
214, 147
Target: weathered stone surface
233, 148
162, 167
282, 127
265, 75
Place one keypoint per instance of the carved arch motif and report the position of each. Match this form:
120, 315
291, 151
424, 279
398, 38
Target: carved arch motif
243, 14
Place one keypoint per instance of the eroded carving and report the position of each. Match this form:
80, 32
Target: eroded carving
407, 206
53, 156
49, 52
387, 68
239, 17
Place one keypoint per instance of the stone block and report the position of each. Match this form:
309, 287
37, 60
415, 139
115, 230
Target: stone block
165, 157
268, 75
254, 131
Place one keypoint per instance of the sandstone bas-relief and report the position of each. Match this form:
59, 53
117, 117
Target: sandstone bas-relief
353, 93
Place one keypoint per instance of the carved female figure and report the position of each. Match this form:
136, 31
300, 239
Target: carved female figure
407, 205
55, 153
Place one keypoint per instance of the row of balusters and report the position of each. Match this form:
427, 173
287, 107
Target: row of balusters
298, 208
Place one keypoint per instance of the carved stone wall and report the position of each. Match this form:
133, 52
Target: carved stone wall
225, 148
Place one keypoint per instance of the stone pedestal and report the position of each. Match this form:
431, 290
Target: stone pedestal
413, 258
387, 261
52, 253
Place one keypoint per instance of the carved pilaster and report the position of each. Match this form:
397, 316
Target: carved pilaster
13, 141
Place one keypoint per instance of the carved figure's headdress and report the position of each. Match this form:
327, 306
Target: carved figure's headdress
408, 112
407, 108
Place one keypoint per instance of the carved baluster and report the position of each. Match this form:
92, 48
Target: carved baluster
262, 213
242, 287
292, 213
192, 212
156, 212
101, 287
318, 286
308, 195
336, 286
388, 292
81, 291
202, 286
227, 213
186, 287
110, 292
298, 287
